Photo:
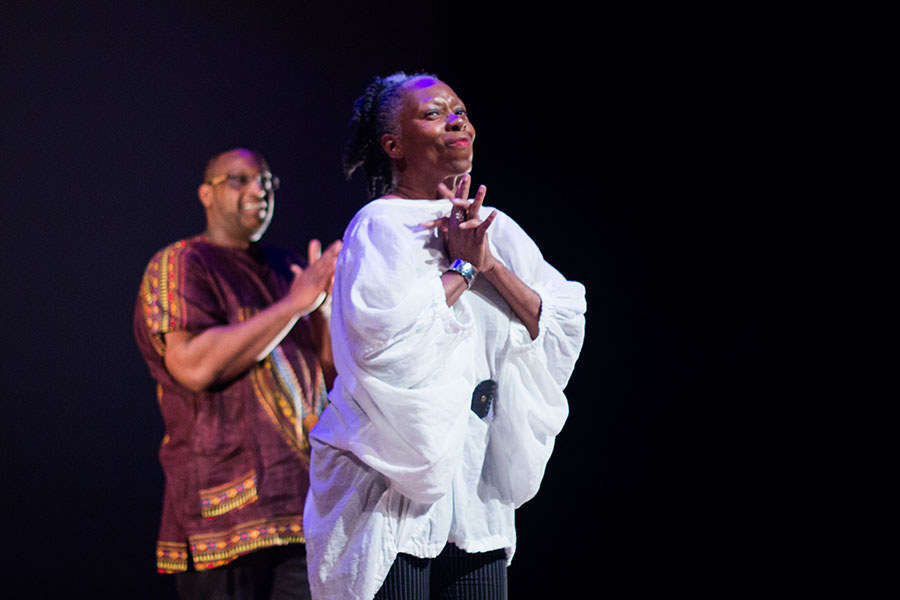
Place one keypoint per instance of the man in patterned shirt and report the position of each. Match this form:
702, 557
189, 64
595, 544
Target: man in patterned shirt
235, 333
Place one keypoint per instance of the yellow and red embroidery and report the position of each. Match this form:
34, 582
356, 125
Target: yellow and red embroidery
286, 402
214, 550
230, 496
162, 308
171, 557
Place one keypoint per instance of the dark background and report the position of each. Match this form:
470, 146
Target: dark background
675, 161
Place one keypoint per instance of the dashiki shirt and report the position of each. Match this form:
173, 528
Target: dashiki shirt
235, 457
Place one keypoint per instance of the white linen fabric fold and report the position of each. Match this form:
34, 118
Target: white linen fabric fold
400, 462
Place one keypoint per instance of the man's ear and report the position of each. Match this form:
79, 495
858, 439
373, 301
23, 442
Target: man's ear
391, 144
204, 192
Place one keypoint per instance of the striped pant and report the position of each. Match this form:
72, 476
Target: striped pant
453, 575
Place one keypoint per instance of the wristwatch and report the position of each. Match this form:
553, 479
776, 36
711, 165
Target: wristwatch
465, 269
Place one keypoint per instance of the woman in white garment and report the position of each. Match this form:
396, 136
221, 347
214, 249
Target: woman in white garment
453, 341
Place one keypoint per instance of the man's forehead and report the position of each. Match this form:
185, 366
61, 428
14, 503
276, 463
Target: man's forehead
237, 160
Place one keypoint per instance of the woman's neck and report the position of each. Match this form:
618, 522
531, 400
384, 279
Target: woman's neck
421, 190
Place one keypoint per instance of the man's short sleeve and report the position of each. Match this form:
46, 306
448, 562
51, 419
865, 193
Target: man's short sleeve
178, 292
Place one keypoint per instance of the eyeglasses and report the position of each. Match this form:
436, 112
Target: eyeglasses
238, 181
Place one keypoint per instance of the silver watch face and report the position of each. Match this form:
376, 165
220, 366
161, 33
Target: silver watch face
465, 269
468, 271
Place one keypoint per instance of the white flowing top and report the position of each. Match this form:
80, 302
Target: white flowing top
400, 462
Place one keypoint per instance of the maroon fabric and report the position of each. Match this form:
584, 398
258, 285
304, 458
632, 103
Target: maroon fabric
236, 458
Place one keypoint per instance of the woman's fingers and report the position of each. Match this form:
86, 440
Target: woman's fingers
463, 189
445, 191
435, 223
487, 222
463, 212
476, 224
479, 200
459, 210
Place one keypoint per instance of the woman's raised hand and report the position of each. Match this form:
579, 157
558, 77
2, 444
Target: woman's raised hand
464, 232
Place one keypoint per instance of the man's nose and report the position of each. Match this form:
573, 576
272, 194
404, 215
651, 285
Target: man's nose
256, 187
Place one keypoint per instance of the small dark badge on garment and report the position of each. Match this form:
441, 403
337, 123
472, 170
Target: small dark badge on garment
483, 396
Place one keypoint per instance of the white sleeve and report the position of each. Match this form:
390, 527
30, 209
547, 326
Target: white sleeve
402, 403
531, 407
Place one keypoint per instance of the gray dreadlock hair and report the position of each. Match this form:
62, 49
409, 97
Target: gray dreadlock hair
374, 114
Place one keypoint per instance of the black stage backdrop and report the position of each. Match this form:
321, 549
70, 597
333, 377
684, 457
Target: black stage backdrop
662, 156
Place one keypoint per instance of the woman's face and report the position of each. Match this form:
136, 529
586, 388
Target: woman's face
435, 135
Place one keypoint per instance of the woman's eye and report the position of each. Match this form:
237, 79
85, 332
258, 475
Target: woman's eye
461, 111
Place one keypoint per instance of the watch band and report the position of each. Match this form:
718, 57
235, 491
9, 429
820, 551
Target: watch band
465, 269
